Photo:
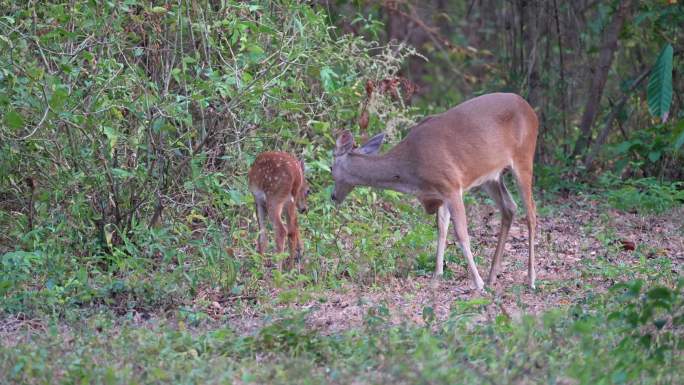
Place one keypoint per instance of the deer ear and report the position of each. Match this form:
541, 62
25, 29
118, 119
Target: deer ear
344, 144
302, 165
372, 146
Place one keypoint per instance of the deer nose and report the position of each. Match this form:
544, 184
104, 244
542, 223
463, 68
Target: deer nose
303, 210
332, 196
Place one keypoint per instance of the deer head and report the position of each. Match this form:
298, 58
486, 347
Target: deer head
344, 149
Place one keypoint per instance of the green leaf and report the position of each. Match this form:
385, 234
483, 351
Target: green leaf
680, 139
13, 120
659, 293
623, 147
121, 173
319, 165
328, 77
660, 85
256, 53
320, 127
653, 156
157, 125
428, 315
112, 136
619, 377
58, 98
235, 197
176, 72
659, 323
583, 327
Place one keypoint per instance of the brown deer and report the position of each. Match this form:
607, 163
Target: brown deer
447, 154
276, 180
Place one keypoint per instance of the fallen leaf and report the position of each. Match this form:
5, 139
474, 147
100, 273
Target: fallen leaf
627, 244
369, 88
363, 120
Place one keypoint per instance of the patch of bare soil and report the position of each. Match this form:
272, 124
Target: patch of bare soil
18, 327
572, 236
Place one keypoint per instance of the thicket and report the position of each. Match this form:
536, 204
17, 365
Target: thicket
128, 128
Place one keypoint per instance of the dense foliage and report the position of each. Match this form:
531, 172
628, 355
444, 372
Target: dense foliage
126, 127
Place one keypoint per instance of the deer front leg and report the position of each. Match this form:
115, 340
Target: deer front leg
293, 235
458, 215
443, 217
262, 241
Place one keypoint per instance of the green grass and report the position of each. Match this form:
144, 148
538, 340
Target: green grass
632, 335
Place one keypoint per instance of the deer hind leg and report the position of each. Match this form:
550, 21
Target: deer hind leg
295, 243
524, 176
499, 193
443, 217
262, 240
275, 211
458, 216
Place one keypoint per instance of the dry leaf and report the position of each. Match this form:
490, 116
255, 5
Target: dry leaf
627, 244
363, 120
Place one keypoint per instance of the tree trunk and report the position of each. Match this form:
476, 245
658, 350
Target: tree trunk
598, 81
529, 14
562, 83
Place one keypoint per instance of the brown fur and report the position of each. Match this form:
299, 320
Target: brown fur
447, 154
276, 179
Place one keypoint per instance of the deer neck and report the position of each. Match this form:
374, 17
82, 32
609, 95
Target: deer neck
383, 171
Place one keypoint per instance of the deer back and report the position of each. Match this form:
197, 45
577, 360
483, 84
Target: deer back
470, 143
277, 175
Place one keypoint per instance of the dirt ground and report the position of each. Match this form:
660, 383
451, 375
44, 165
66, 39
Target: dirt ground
572, 235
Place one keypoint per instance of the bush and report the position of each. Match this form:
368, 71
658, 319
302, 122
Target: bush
128, 129
644, 194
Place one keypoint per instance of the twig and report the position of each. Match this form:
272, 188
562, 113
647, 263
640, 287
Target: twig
237, 297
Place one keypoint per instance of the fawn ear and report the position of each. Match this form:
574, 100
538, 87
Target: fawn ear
372, 146
344, 144
302, 165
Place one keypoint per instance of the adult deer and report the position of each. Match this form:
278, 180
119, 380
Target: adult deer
276, 180
447, 154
